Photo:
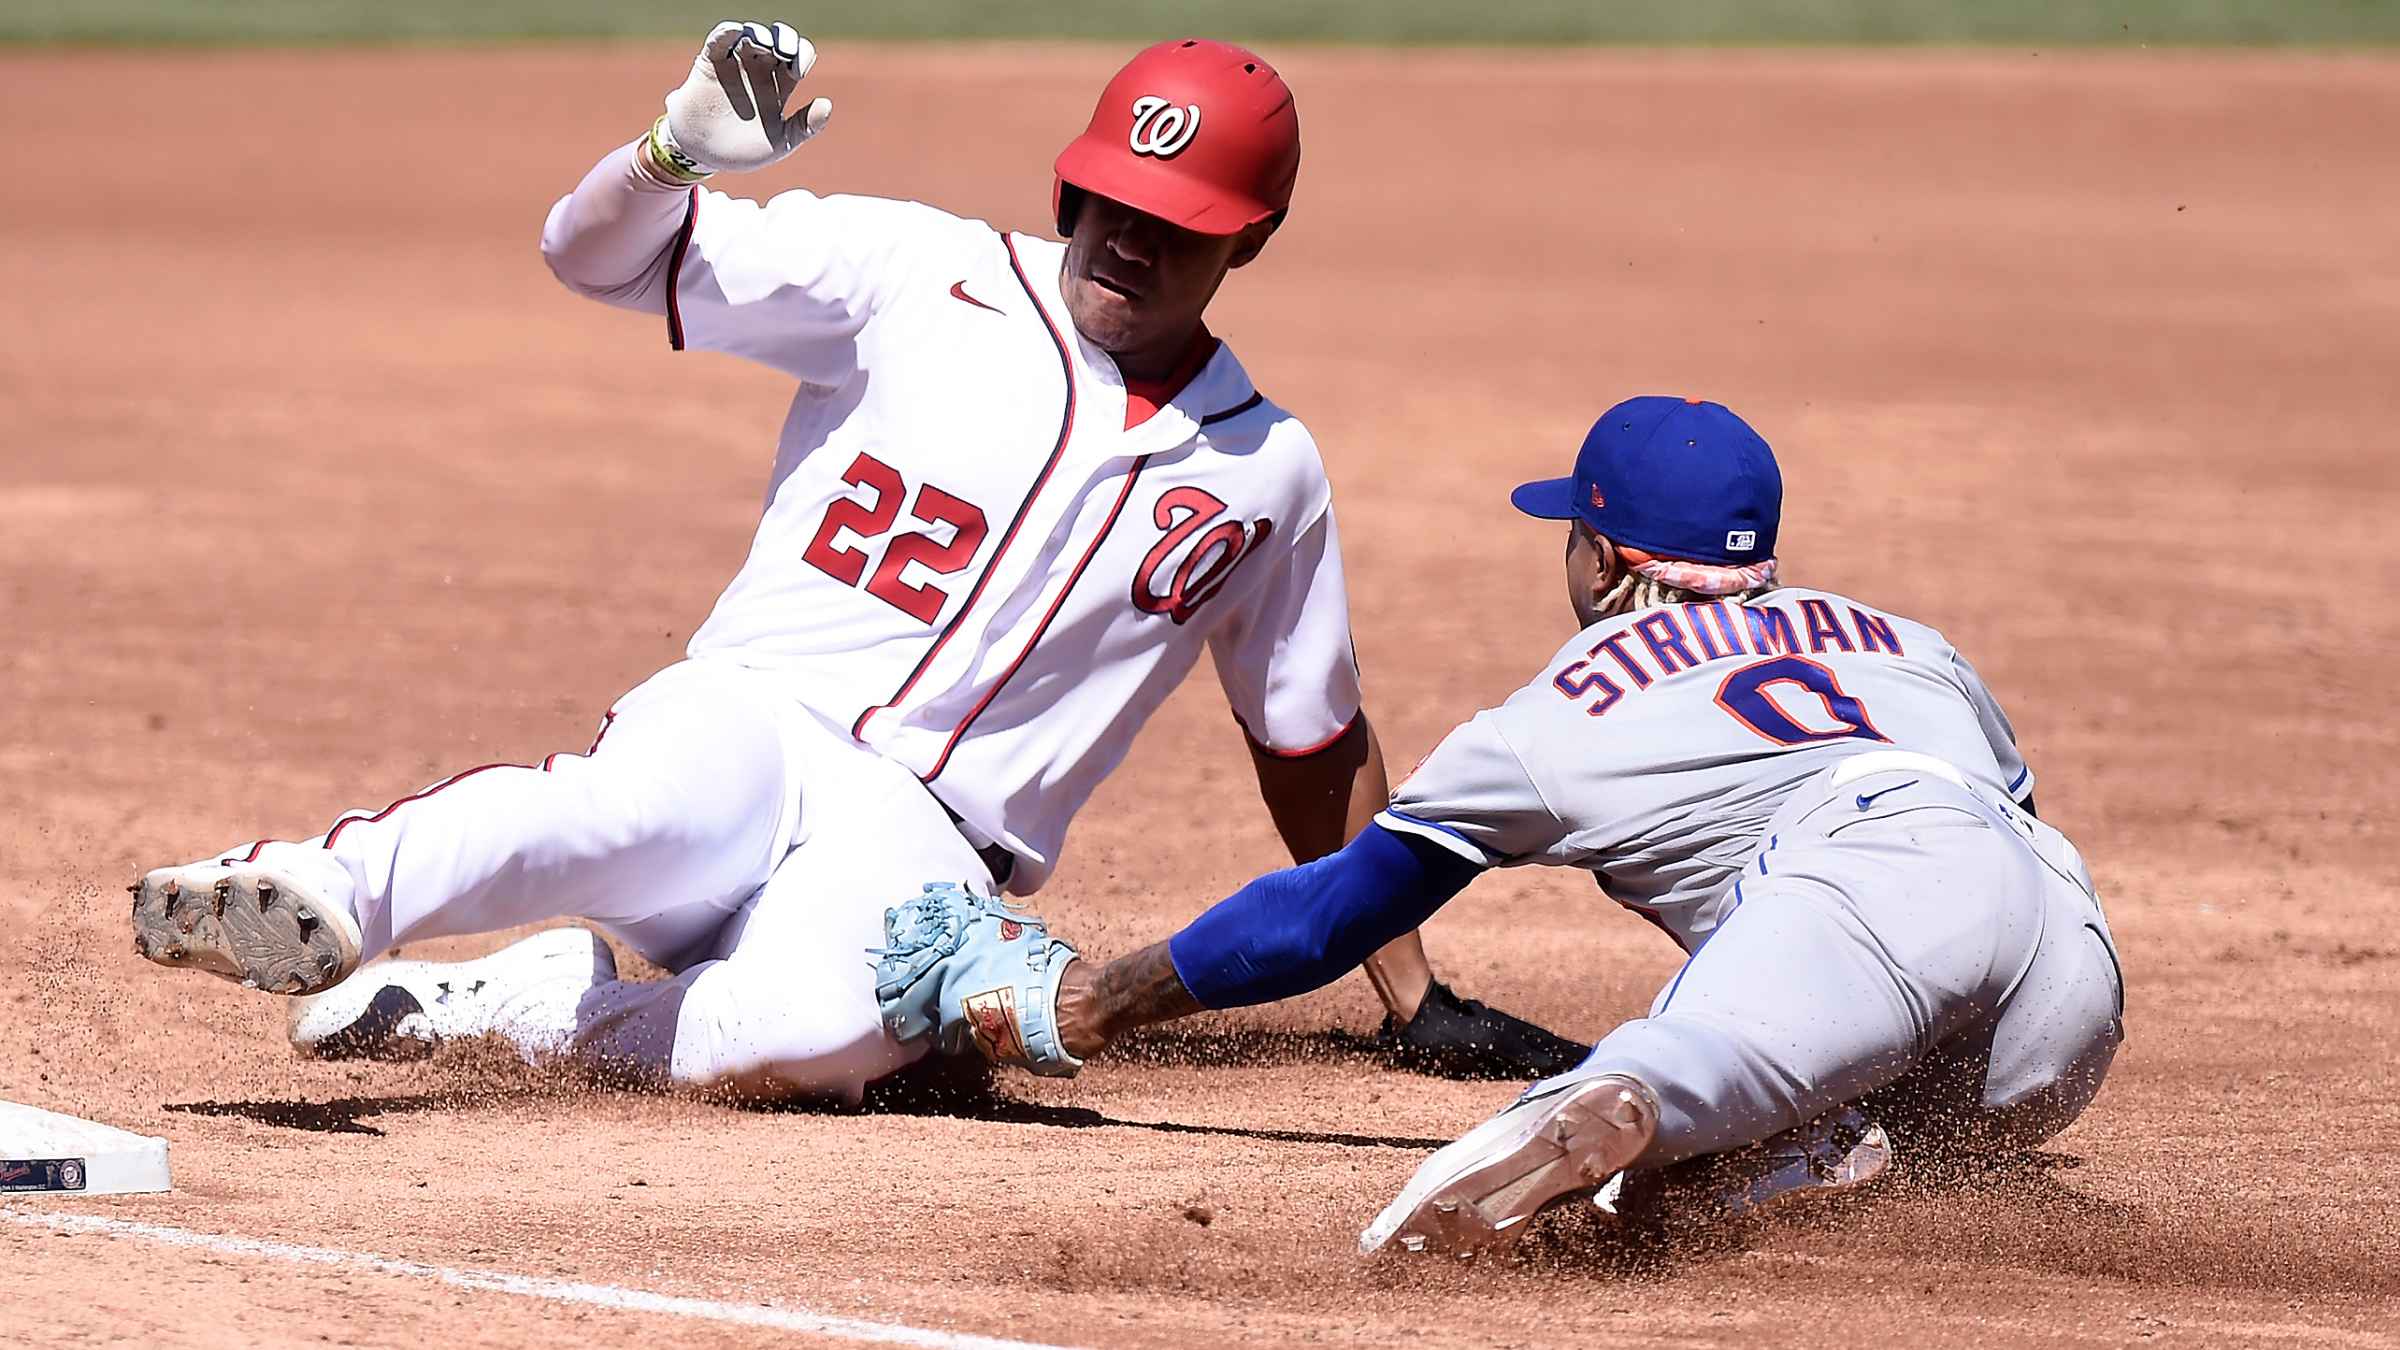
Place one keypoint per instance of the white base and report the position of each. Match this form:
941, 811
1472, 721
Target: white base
45, 1152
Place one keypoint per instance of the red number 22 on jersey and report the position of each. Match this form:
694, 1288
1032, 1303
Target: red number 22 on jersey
869, 519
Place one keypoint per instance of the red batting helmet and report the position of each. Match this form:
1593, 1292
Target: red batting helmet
1200, 134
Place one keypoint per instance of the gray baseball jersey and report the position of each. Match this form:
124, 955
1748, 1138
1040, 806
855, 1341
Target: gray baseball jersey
1654, 748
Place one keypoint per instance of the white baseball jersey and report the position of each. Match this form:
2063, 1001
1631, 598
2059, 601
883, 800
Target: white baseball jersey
1656, 745
967, 560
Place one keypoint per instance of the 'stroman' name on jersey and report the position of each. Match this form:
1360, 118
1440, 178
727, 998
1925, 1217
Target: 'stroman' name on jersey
1676, 638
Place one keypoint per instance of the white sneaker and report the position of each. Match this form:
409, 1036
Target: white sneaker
527, 993
268, 927
1838, 1152
1476, 1194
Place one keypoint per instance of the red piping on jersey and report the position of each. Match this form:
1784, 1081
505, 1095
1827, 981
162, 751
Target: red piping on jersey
683, 241
1319, 748
1143, 398
607, 720
959, 733
453, 780
347, 821
1066, 428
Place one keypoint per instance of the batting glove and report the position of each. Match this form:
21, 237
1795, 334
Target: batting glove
729, 115
973, 974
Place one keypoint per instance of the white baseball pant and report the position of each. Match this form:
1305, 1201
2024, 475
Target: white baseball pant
716, 827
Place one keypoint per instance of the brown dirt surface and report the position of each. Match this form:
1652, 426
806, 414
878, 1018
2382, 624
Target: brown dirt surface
315, 487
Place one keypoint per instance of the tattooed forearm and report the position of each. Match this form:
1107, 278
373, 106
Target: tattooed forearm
1096, 1007
1143, 988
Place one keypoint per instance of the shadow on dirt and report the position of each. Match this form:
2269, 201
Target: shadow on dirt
1187, 1047
1010, 1112
941, 1088
965, 1089
342, 1115
1183, 1047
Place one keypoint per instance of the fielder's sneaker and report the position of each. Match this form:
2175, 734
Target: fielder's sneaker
1560, 1139
271, 927
1838, 1152
526, 993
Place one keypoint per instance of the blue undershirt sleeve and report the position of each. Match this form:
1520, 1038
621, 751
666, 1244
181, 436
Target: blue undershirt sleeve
1305, 927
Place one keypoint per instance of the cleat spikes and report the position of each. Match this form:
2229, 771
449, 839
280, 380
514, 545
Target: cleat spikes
294, 939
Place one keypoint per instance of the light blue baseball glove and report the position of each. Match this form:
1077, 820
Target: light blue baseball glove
969, 971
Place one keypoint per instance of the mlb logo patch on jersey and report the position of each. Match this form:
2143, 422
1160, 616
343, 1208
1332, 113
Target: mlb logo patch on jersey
1740, 541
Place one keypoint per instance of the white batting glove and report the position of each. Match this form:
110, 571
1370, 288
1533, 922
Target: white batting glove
729, 113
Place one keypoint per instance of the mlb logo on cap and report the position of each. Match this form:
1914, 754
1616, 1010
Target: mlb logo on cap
1676, 478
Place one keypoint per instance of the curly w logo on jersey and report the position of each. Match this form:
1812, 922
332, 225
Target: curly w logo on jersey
1205, 561
1161, 127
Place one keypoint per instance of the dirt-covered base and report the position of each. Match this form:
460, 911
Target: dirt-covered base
315, 488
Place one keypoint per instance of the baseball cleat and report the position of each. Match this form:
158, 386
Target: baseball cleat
527, 992
1560, 1139
1839, 1152
264, 927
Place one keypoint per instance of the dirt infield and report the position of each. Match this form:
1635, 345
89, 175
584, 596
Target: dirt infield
314, 487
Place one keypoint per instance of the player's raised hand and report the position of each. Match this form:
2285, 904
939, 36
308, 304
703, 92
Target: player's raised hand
730, 113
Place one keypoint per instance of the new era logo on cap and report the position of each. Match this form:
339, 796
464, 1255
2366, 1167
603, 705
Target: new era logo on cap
1741, 541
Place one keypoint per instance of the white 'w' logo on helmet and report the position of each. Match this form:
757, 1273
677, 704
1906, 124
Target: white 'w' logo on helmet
1162, 128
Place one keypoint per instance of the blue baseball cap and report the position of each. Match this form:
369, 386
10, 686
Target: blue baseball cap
1673, 477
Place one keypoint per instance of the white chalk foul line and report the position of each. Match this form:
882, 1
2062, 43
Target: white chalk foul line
530, 1286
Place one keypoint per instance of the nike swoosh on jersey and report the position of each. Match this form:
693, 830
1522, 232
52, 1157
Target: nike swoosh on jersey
1867, 799
958, 291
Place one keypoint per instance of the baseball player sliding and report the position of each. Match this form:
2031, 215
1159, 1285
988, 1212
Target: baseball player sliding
1819, 801
1020, 489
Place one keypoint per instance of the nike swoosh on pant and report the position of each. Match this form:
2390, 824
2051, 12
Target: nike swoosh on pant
1867, 799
